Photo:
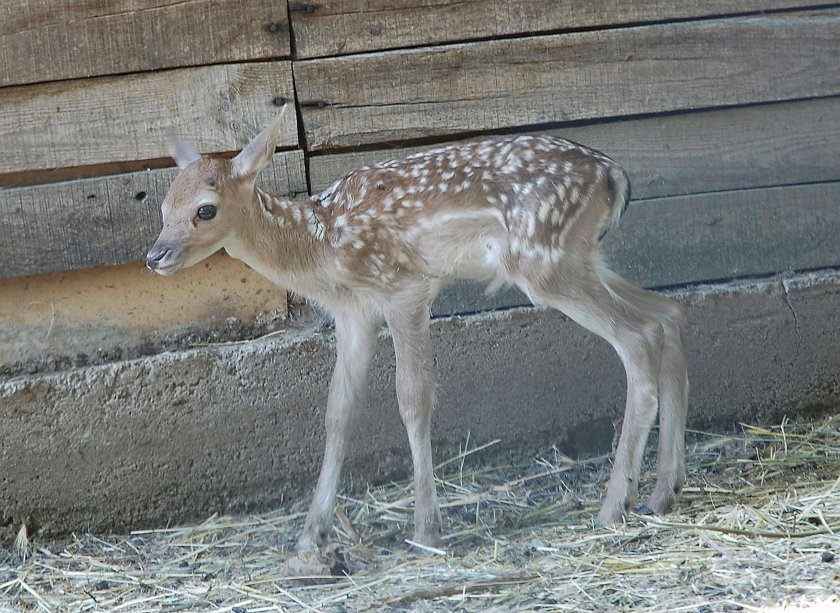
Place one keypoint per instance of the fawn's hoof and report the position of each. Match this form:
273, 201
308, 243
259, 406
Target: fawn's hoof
660, 502
309, 564
428, 538
334, 560
610, 515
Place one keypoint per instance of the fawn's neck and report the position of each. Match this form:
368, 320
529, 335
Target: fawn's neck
283, 240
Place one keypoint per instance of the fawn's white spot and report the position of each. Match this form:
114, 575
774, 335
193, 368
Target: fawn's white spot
545, 209
465, 184
512, 165
532, 225
314, 225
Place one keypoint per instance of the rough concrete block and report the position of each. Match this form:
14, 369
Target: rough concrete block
181, 435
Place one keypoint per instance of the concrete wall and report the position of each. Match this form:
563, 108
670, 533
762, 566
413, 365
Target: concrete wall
180, 435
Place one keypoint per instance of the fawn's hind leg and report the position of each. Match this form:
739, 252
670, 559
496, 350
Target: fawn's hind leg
576, 289
673, 388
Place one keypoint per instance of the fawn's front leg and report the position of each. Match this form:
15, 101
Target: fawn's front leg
415, 390
356, 343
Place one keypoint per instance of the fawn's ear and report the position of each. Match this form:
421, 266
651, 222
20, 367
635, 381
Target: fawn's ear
183, 153
257, 154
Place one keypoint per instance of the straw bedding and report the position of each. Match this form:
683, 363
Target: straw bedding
756, 529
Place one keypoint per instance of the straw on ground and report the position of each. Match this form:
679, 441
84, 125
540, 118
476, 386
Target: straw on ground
757, 528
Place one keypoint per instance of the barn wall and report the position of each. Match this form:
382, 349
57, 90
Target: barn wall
726, 115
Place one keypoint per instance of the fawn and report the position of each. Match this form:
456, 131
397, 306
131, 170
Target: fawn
377, 245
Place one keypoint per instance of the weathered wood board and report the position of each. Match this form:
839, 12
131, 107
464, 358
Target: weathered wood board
706, 237
108, 119
706, 151
46, 40
100, 222
540, 80
336, 27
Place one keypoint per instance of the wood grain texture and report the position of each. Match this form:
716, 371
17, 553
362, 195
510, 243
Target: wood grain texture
46, 40
705, 237
394, 96
112, 119
706, 151
335, 27
100, 222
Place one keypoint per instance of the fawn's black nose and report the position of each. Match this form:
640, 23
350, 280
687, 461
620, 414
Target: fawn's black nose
157, 256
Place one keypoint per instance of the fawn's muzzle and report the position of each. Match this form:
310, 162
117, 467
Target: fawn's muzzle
161, 257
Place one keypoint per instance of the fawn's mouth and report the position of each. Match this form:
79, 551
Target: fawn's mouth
168, 270
165, 259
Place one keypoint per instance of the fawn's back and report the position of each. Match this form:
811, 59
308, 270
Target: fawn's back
475, 210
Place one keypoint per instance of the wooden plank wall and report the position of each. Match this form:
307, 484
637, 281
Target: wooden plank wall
725, 113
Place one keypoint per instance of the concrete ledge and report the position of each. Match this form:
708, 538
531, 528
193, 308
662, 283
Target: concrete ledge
181, 435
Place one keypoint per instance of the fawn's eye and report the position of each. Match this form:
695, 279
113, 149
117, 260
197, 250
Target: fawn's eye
206, 211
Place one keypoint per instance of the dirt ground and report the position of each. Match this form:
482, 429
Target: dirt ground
756, 529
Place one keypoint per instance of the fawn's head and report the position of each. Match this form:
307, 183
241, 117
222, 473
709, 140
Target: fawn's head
207, 200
